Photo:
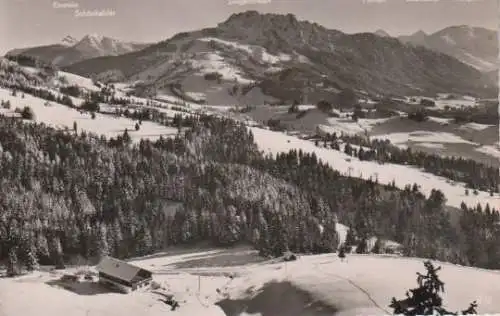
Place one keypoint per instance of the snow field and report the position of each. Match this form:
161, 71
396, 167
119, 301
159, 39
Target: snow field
257, 52
77, 80
348, 126
423, 137
364, 285
276, 142
475, 126
213, 62
490, 150
61, 116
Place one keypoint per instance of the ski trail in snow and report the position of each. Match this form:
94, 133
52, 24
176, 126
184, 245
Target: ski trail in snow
224, 287
356, 286
199, 300
367, 294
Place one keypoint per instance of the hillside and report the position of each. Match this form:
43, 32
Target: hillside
277, 54
71, 51
158, 174
272, 141
319, 285
474, 46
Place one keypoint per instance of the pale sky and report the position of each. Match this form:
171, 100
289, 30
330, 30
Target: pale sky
25, 23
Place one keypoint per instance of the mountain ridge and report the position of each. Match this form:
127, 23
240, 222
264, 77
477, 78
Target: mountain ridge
475, 46
297, 52
70, 50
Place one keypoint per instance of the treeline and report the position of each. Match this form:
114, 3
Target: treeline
480, 228
476, 175
31, 61
483, 112
41, 93
70, 198
486, 112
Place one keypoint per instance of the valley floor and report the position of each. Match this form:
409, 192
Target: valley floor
364, 284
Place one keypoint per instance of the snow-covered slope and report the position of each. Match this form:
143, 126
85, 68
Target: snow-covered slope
364, 285
475, 46
424, 137
75, 80
275, 142
61, 116
111, 126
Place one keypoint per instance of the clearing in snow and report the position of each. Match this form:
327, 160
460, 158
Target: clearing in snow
320, 285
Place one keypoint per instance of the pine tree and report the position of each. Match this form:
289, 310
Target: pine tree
377, 248
362, 246
28, 252
426, 300
31, 260
57, 253
42, 245
27, 113
350, 238
102, 241
13, 268
144, 240
264, 246
126, 137
342, 252
329, 237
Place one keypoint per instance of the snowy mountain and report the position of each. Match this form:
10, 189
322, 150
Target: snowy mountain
474, 46
382, 33
71, 50
69, 41
274, 54
416, 38
97, 46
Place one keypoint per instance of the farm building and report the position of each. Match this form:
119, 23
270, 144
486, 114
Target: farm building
122, 275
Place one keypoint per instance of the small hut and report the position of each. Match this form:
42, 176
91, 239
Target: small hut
122, 275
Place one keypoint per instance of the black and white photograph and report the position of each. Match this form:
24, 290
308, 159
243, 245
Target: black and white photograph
249, 157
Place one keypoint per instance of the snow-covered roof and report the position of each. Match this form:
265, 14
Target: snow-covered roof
118, 269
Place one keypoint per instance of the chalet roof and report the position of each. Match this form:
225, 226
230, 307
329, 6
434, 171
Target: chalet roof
118, 269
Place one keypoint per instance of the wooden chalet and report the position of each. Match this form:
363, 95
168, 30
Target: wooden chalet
122, 275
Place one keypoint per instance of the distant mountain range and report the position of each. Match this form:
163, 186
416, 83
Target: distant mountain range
283, 58
474, 46
71, 50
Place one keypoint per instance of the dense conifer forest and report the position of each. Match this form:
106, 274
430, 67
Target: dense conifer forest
70, 198
475, 174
